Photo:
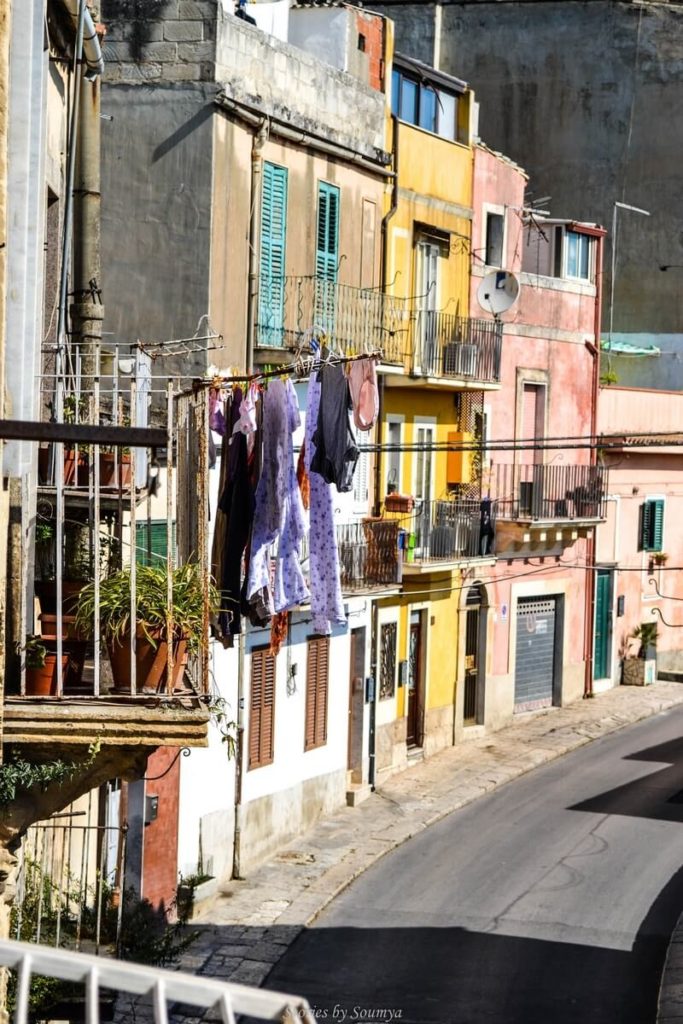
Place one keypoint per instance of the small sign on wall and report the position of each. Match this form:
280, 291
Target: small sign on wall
503, 613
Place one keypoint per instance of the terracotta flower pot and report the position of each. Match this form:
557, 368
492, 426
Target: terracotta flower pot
46, 592
108, 474
150, 662
76, 470
41, 681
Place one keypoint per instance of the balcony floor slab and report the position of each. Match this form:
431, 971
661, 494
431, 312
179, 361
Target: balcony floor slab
150, 722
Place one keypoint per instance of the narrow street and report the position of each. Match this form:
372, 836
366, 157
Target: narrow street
551, 899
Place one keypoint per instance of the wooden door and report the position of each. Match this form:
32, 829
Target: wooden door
415, 729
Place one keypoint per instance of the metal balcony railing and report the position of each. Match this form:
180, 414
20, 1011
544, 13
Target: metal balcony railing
100, 977
447, 530
445, 345
550, 492
355, 320
369, 554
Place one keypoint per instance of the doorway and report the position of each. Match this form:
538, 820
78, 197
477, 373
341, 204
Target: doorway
416, 650
603, 625
356, 705
475, 655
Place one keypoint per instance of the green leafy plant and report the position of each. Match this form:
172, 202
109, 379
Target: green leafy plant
648, 634
18, 775
219, 709
608, 377
34, 651
151, 588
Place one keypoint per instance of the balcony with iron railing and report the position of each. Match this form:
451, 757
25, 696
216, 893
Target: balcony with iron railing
549, 504
448, 530
550, 493
417, 345
75, 669
370, 557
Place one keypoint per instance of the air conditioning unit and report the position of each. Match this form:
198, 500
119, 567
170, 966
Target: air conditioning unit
460, 360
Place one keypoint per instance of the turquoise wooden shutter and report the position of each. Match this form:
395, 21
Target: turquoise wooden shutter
327, 256
657, 524
272, 256
645, 525
652, 525
153, 543
327, 241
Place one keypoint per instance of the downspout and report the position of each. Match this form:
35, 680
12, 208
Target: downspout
92, 52
87, 309
391, 212
589, 609
258, 142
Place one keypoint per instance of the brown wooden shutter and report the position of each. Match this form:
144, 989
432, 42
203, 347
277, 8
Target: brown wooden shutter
317, 672
262, 708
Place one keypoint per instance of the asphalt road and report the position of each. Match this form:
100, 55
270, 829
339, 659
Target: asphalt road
549, 901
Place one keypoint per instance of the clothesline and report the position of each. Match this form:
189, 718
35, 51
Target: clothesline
301, 367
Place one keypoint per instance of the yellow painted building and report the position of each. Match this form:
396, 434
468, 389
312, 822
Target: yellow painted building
438, 363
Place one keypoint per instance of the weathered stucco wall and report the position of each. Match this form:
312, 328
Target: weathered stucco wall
156, 211
587, 100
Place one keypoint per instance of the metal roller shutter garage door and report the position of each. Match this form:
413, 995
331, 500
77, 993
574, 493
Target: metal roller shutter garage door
535, 653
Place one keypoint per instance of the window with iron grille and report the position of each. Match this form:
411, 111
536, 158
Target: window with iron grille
387, 659
317, 677
651, 524
262, 708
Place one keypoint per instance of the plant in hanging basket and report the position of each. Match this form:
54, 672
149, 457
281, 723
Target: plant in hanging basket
151, 633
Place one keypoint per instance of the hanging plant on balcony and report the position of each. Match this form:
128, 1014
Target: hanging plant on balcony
151, 637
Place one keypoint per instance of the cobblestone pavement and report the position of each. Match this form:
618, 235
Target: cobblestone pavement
248, 926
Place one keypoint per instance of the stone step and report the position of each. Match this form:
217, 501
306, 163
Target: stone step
357, 793
670, 676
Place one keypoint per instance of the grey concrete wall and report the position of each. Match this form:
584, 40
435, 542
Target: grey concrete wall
160, 40
296, 87
587, 98
156, 211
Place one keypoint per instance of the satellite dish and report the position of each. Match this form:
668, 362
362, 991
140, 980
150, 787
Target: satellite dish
498, 292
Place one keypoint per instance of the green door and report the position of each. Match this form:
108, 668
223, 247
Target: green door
603, 620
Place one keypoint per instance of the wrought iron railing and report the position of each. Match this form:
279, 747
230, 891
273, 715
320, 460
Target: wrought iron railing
369, 554
447, 530
552, 492
445, 345
354, 320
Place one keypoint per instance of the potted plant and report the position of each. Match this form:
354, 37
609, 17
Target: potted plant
41, 668
660, 558
151, 637
641, 669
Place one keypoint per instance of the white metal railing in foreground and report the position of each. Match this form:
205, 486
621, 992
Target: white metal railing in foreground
163, 986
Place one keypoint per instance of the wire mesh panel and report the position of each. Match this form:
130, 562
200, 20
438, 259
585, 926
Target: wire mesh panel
96, 976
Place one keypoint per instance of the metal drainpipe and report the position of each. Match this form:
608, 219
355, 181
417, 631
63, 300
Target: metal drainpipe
258, 142
87, 309
589, 610
372, 738
385, 259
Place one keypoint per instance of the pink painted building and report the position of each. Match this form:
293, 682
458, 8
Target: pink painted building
547, 495
640, 545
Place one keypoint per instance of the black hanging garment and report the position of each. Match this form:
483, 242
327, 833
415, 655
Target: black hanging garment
237, 503
486, 531
336, 453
